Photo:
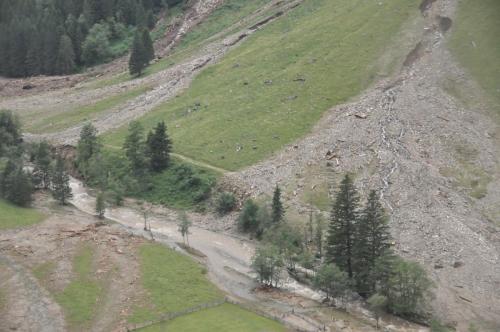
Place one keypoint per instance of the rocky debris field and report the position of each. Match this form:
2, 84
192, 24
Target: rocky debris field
414, 143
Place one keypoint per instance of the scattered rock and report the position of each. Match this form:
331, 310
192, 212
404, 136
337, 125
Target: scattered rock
465, 299
28, 86
438, 266
361, 115
444, 23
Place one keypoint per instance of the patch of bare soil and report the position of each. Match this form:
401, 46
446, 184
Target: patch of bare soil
398, 138
47, 250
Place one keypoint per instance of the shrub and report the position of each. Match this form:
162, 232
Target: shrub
248, 220
225, 203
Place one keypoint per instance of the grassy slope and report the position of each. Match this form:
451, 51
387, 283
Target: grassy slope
12, 216
331, 44
475, 42
224, 318
81, 297
73, 117
183, 185
223, 17
173, 282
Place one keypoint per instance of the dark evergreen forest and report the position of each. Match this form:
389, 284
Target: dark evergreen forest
55, 37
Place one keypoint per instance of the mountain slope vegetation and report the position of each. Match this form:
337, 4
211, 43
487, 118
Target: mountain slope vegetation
274, 87
58, 37
475, 43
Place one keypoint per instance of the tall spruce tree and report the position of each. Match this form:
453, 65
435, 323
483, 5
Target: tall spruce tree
148, 45
138, 56
61, 190
135, 148
65, 62
373, 240
158, 148
344, 216
88, 146
277, 209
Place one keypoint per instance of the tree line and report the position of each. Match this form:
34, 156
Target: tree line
145, 156
53, 37
351, 254
27, 167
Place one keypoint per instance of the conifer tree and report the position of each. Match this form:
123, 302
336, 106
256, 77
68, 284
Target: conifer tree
61, 190
134, 147
138, 56
158, 148
33, 55
100, 205
373, 240
42, 170
6, 183
88, 146
10, 133
148, 45
277, 210
65, 62
21, 193
344, 216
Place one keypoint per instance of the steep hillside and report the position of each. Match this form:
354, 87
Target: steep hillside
273, 88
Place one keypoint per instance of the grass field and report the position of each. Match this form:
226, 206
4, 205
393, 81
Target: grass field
80, 299
76, 116
173, 281
12, 216
272, 89
224, 318
475, 42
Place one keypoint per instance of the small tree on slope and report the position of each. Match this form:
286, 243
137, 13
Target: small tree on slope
278, 212
61, 190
